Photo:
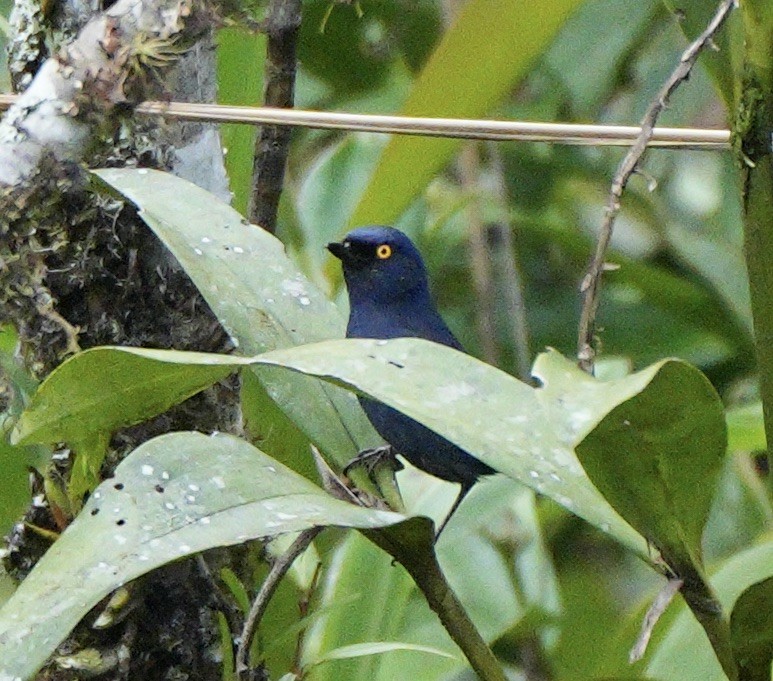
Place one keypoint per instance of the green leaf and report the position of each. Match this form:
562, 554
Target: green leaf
657, 457
90, 453
590, 70
377, 648
269, 429
526, 433
460, 397
684, 653
745, 428
156, 509
723, 63
505, 36
258, 295
751, 624
14, 483
102, 389
236, 46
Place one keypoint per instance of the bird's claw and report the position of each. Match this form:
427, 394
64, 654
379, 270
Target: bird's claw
370, 459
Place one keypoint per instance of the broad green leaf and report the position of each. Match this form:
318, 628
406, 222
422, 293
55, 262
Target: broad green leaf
751, 624
237, 46
657, 457
486, 51
684, 652
526, 433
261, 299
103, 389
158, 508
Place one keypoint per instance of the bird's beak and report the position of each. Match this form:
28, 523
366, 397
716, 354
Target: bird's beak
338, 250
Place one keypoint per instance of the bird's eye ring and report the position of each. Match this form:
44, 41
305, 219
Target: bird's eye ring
384, 251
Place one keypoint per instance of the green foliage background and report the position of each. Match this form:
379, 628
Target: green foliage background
533, 576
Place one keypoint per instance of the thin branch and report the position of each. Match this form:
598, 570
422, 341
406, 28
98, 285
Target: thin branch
460, 128
513, 288
278, 570
282, 25
654, 612
591, 284
479, 255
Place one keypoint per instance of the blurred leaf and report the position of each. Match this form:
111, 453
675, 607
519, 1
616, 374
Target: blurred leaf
376, 648
352, 53
657, 456
452, 84
722, 63
741, 510
745, 428
591, 69
687, 301
156, 509
257, 294
323, 209
240, 54
751, 623
362, 596
684, 653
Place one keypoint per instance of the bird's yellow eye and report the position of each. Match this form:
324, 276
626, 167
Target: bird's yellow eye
384, 251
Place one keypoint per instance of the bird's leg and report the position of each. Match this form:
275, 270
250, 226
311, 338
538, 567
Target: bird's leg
371, 458
466, 487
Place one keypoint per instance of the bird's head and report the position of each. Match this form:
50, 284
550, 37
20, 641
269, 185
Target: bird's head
380, 264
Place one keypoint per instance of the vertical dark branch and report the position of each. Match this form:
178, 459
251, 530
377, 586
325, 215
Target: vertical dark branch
268, 170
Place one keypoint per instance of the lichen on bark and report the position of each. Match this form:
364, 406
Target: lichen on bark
79, 269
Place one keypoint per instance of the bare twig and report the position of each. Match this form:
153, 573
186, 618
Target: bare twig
513, 286
460, 128
591, 284
658, 607
282, 25
480, 258
278, 570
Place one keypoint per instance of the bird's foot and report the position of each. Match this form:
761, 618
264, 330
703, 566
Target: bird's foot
370, 459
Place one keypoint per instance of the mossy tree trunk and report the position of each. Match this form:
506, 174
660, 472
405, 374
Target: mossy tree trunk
78, 270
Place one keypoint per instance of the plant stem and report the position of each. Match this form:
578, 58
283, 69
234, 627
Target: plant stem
752, 141
412, 547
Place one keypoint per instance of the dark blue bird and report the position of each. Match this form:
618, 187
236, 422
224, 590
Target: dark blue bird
389, 298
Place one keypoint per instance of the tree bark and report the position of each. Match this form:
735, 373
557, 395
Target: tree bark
79, 270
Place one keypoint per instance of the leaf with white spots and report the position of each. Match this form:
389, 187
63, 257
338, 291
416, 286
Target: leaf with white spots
260, 297
157, 508
531, 434
526, 433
